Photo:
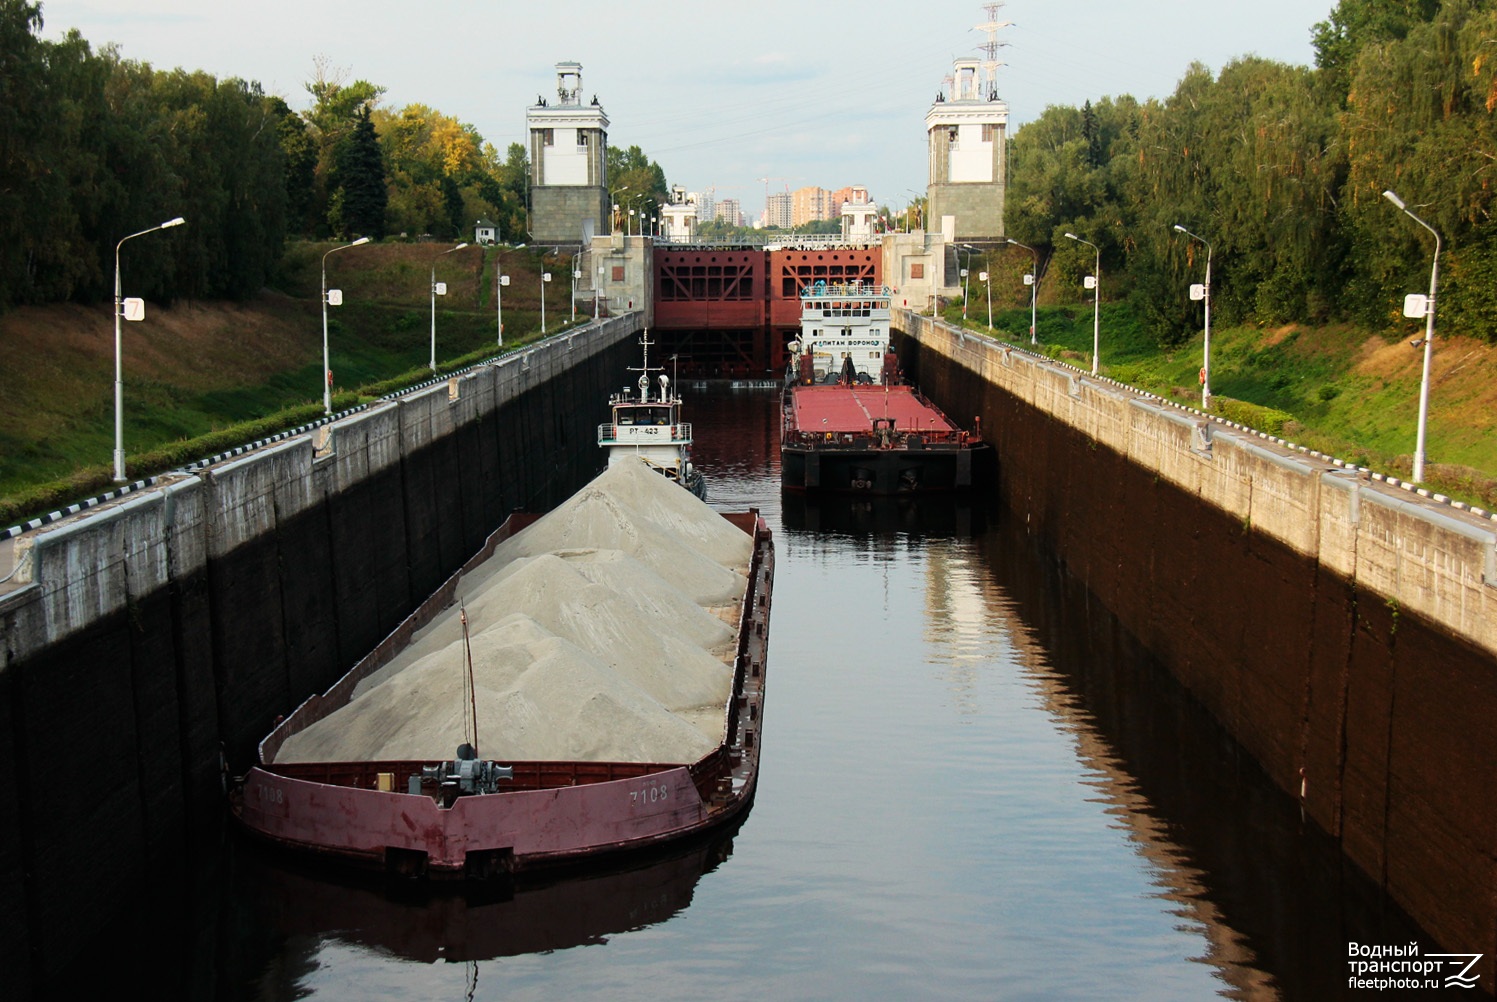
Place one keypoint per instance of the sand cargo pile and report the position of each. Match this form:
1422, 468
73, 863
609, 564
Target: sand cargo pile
619, 637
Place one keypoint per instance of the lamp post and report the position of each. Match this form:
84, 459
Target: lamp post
545, 277
1033, 281
327, 369
575, 275
435, 292
1205, 291
1096, 284
1411, 305
968, 249
983, 276
119, 362
500, 281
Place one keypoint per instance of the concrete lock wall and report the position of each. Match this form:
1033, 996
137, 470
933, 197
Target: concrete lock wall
153, 634
1341, 629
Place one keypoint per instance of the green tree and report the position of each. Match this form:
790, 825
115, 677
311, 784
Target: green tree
631, 168
359, 193
1355, 24
300, 152
1419, 120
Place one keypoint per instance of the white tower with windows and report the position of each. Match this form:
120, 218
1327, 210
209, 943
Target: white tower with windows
568, 163
968, 137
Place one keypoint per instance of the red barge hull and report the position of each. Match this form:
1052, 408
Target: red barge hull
551, 813
871, 439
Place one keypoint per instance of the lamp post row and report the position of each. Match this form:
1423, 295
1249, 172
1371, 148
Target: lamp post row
1414, 306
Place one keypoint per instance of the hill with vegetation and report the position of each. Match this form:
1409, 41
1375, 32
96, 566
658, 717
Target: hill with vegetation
201, 376
1337, 388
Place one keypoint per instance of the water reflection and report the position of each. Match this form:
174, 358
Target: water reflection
278, 896
1272, 897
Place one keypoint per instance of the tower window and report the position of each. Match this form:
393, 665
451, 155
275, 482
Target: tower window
548, 137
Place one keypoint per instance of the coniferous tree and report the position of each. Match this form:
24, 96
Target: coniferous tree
361, 196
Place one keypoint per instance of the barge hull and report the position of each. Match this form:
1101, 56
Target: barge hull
882, 472
554, 813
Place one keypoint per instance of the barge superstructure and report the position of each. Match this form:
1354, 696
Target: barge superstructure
849, 422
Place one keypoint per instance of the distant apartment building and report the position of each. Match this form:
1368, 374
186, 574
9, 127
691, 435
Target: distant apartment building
778, 210
810, 204
706, 204
729, 211
842, 196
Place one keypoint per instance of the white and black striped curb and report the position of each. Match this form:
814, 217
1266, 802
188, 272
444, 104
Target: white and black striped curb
1391, 481
126, 489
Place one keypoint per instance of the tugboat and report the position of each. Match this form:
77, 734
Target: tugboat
849, 421
651, 429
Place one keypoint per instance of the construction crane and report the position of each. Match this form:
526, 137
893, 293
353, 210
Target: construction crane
766, 181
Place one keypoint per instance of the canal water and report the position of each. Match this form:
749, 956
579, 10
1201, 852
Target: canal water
974, 785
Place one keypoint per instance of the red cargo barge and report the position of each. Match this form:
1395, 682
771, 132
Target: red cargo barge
545, 813
849, 422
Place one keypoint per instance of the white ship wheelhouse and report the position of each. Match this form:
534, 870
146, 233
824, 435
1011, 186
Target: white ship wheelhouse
647, 426
842, 324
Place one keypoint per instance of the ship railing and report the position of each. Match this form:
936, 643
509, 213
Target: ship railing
922, 438
778, 241
841, 290
609, 434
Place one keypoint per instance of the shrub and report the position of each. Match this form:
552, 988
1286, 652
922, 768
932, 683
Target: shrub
1255, 416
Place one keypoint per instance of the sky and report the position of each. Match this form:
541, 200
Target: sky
721, 95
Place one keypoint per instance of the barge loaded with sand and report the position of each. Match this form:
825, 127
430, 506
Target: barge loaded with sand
849, 421
590, 682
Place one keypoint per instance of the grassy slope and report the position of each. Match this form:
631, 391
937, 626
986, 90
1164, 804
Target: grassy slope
1346, 392
197, 367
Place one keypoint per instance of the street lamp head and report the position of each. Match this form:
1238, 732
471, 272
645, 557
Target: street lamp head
173, 222
361, 240
1072, 236
460, 246
1393, 198
1180, 229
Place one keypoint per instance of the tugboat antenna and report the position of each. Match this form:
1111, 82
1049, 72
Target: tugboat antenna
645, 370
